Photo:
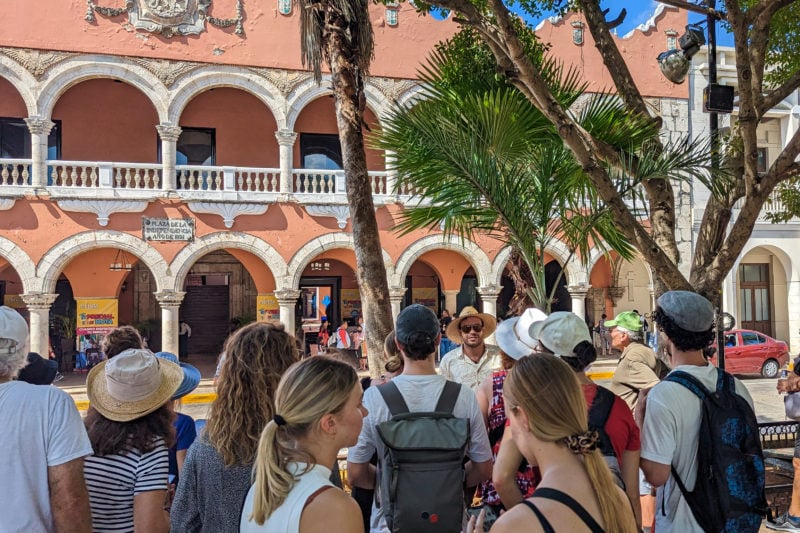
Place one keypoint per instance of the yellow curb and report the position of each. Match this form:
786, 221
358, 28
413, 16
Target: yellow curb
600, 375
209, 397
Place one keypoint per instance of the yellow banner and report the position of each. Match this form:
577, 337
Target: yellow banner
351, 303
267, 308
96, 315
425, 296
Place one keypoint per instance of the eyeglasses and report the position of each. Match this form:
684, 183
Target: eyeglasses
477, 328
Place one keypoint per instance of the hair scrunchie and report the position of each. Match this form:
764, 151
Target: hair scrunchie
582, 443
278, 419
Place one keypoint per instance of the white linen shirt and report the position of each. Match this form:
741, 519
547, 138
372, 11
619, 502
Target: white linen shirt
456, 366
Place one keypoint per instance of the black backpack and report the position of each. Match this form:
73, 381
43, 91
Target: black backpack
421, 472
599, 412
729, 492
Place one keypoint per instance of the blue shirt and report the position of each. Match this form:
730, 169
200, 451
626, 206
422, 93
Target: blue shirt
185, 434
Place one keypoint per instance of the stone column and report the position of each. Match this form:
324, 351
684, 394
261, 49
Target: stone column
396, 295
170, 302
489, 296
169, 134
40, 129
451, 301
286, 140
615, 293
287, 302
391, 173
38, 304
578, 294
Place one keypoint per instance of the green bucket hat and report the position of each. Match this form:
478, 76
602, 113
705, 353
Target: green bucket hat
626, 320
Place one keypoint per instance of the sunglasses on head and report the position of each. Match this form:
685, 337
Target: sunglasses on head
477, 328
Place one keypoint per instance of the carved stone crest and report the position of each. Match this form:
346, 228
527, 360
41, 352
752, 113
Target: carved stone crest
168, 17
286, 81
37, 62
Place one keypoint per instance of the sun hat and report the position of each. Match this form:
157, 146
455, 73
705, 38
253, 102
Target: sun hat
561, 332
453, 329
38, 371
513, 334
416, 318
132, 384
13, 326
629, 320
688, 310
191, 376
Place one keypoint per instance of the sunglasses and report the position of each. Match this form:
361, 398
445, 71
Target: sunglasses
477, 328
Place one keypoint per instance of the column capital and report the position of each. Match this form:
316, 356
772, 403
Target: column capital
396, 294
169, 298
38, 300
286, 137
287, 296
169, 132
615, 293
39, 125
490, 291
579, 291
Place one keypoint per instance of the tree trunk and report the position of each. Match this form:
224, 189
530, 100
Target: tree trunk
348, 85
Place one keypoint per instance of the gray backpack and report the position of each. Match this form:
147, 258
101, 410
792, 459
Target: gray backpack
421, 473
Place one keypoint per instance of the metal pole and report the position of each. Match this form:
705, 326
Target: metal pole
713, 126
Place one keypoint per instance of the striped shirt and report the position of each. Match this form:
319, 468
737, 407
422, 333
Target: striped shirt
113, 481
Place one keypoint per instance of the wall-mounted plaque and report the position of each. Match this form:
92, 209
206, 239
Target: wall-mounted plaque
168, 229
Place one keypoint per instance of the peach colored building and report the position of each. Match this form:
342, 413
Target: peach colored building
174, 159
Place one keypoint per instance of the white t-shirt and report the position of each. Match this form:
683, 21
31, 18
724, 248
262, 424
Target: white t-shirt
670, 436
114, 480
286, 518
40, 428
421, 393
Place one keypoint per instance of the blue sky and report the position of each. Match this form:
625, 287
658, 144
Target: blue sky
639, 11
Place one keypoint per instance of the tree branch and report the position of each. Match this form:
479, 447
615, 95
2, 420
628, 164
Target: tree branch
777, 95
695, 8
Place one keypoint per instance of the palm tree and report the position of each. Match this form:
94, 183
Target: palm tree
483, 159
339, 32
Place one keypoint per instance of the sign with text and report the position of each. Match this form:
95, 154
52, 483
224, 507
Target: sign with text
268, 309
168, 229
96, 316
351, 303
427, 296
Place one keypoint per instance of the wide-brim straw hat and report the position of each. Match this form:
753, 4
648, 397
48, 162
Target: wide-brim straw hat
453, 329
132, 384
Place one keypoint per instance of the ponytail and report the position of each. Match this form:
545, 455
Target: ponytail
613, 508
272, 483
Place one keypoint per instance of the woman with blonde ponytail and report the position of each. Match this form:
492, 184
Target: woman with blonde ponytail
549, 425
318, 411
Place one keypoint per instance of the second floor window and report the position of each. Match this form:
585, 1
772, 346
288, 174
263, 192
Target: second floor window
196, 146
320, 151
15, 139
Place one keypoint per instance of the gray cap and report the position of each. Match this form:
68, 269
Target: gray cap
688, 310
416, 318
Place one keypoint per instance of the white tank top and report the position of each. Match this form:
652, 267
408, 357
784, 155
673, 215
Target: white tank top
286, 518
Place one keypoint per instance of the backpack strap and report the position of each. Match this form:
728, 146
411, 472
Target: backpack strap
448, 398
394, 400
569, 501
690, 382
599, 412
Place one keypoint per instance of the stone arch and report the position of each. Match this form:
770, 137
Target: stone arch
20, 262
189, 255
574, 271
59, 256
596, 254
309, 91
472, 253
73, 71
412, 96
204, 79
313, 248
22, 80
789, 266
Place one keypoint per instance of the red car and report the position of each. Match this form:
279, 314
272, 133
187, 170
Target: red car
752, 352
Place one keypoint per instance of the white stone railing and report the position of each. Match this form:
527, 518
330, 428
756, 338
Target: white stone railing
772, 205
253, 179
311, 181
88, 175
15, 172
200, 178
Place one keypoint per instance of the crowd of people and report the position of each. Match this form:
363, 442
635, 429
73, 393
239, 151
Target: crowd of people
507, 437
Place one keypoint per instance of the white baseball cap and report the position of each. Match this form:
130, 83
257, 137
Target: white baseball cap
13, 326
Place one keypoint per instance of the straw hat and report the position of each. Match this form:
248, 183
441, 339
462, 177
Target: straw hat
489, 324
191, 376
132, 384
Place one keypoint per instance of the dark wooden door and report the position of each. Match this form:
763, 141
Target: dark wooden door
205, 309
755, 297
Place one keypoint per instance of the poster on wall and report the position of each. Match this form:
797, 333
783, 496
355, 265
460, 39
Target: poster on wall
351, 303
96, 316
427, 296
267, 309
